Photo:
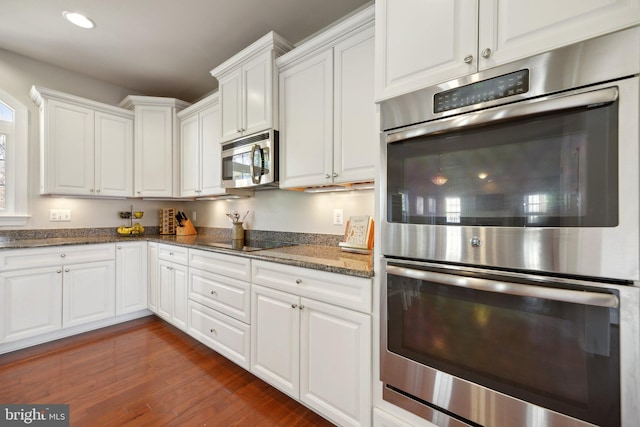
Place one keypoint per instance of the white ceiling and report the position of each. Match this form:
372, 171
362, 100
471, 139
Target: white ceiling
157, 47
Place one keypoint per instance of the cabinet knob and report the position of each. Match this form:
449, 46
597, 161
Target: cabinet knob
62, 255
468, 59
294, 305
326, 175
58, 271
335, 174
170, 253
91, 190
298, 281
486, 52
214, 293
139, 192
301, 307
213, 331
119, 247
97, 191
66, 270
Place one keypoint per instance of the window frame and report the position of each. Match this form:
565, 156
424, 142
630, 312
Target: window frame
16, 163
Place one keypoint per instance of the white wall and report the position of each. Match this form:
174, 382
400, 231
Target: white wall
270, 210
282, 210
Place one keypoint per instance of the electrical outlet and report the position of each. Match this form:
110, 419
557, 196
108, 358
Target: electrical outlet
193, 216
338, 217
59, 215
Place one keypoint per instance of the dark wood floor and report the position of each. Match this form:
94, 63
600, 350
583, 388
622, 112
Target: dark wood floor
145, 373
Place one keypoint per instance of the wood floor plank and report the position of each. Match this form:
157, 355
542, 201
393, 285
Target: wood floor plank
145, 373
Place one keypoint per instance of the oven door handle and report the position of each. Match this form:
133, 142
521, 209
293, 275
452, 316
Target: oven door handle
565, 295
533, 107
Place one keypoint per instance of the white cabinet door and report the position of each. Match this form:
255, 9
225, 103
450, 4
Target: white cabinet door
200, 152
306, 122
518, 29
69, 151
335, 362
180, 296
154, 151
88, 293
165, 294
211, 152
131, 277
172, 305
30, 303
113, 155
257, 94
275, 335
153, 277
420, 43
355, 139
190, 156
231, 104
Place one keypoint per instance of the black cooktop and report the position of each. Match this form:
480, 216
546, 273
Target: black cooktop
249, 246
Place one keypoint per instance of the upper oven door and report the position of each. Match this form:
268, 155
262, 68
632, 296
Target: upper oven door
545, 184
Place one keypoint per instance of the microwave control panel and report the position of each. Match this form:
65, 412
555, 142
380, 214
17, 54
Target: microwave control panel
486, 90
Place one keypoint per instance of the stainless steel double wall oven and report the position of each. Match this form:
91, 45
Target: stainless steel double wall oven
511, 242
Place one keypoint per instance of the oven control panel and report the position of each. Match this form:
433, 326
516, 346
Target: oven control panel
487, 90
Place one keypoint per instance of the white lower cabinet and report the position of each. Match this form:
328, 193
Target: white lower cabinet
31, 303
172, 301
131, 277
317, 352
88, 292
153, 277
219, 300
44, 290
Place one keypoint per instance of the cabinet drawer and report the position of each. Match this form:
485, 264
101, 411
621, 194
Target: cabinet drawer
339, 289
229, 296
223, 334
15, 259
173, 253
226, 265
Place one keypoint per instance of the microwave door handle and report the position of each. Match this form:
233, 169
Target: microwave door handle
564, 295
256, 178
532, 108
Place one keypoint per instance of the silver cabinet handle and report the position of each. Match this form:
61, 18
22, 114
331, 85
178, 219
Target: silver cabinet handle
326, 175
301, 307
298, 281
294, 305
214, 293
468, 59
486, 52
66, 270
98, 190
213, 331
510, 288
170, 253
91, 190
119, 247
62, 255
335, 174
58, 271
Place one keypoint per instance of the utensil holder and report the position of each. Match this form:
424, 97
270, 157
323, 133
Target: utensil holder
237, 232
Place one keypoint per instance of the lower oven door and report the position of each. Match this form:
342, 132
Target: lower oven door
504, 351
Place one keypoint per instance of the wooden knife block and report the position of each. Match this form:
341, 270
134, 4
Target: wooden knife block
187, 229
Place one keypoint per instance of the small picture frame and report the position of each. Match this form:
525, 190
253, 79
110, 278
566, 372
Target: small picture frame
358, 235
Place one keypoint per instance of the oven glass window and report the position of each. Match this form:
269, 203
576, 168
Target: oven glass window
558, 355
553, 170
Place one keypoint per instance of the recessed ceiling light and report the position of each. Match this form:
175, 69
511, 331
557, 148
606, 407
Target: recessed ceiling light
78, 19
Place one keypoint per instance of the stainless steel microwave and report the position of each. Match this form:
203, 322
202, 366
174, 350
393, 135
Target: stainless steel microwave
251, 161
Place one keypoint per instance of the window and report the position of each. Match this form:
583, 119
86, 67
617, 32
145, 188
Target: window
452, 209
13, 161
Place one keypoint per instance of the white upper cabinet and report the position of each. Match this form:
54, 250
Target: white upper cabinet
200, 150
155, 145
424, 42
327, 109
248, 88
86, 147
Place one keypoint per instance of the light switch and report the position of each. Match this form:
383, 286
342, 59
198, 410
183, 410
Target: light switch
338, 217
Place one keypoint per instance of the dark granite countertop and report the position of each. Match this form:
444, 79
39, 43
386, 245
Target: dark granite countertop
318, 257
